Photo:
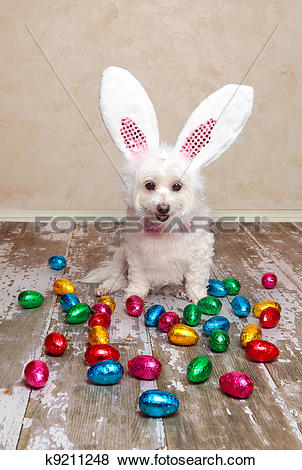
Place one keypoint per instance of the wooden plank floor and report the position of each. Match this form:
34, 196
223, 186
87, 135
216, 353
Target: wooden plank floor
70, 413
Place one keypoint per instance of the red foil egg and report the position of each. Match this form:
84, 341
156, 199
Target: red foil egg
101, 308
134, 305
55, 343
99, 319
269, 317
167, 320
145, 367
269, 280
101, 352
261, 351
236, 384
36, 373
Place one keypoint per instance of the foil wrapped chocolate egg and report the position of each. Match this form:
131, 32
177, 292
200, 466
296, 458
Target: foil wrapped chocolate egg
167, 320
62, 286
107, 372
98, 335
269, 280
210, 305
106, 299
219, 341
269, 317
241, 306
182, 335
249, 333
216, 323
78, 313
30, 299
236, 384
232, 285
36, 373
153, 315
145, 367
55, 343
57, 262
102, 308
158, 403
68, 300
101, 352
260, 350
192, 314
134, 305
101, 319
257, 310
216, 288
199, 369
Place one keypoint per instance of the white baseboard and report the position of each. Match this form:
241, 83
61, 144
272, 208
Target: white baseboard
228, 215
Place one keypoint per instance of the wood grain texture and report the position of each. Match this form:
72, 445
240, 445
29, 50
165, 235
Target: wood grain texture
22, 330
71, 413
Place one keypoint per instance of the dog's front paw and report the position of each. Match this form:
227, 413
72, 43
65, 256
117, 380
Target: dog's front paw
142, 293
102, 289
196, 293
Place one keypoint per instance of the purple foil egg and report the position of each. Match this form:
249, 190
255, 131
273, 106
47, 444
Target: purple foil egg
167, 320
236, 384
134, 305
102, 308
145, 367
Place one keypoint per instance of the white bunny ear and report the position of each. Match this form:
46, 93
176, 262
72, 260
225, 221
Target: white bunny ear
128, 113
215, 124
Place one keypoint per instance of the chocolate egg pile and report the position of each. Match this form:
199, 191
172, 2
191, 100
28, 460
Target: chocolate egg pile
105, 368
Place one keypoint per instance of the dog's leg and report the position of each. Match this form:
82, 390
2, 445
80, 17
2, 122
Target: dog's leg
196, 280
138, 284
114, 274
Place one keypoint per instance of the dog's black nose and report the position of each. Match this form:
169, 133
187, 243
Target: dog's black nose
163, 208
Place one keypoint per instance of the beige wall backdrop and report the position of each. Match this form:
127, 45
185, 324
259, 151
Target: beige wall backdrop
180, 50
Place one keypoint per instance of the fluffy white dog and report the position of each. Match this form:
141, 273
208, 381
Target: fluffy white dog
163, 187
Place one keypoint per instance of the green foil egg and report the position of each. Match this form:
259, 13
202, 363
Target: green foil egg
210, 305
30, 299
232, 285
78, 313
219, 341
199, 369
192, 314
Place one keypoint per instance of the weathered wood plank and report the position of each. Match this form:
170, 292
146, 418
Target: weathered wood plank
247, 261
72, 413
22, 331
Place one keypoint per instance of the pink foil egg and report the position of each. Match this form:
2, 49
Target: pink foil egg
134, 305
269, 280
167, 320
102, 308
236, 384
36, 373
145, 367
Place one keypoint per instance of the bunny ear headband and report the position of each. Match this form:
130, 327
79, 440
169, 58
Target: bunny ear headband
130, 118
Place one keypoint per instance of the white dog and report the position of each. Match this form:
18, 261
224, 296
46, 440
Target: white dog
163, 187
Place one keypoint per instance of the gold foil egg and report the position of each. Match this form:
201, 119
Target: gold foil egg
106, 299
257, 310
183, 335
63, 286
98, 335
249, 333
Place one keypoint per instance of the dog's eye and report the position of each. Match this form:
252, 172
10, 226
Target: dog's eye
150, 186
176, 187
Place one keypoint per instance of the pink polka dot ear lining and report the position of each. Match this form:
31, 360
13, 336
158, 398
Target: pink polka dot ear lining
199, 138
133, 137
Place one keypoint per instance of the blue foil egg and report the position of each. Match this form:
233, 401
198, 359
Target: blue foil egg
158, 403
241, 306
153, 314
57, 262
106, 372
216, 288
68, 300
216, 323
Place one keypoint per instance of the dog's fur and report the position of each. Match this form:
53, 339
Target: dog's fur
165, 252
